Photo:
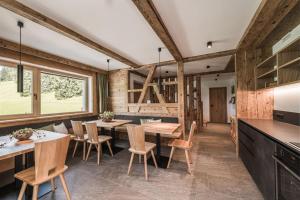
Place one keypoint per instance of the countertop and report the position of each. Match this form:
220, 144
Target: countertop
278, 131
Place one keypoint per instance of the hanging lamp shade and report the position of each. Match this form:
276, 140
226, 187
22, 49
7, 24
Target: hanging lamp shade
20, 68
159, 78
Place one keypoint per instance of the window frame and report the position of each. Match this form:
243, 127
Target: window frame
14, 116
37, 70
56, 73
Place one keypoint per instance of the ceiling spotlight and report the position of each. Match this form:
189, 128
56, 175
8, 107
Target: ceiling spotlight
209, 44
167, 72
207, 67
216, 79
218, 74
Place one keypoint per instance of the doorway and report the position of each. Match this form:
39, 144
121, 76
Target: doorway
218, 104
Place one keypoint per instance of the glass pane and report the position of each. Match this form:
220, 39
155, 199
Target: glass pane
61, 94
12, 102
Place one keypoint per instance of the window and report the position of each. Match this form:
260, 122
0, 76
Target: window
12, 102
46, 92
62, 94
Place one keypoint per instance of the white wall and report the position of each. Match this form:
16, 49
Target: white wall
224, 80
287, 98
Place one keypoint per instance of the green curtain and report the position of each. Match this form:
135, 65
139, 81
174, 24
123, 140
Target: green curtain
103, 92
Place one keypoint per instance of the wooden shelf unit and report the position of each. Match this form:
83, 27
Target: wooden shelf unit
279, 69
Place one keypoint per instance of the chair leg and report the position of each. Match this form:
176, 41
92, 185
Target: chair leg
64, 184
35, 192
75, 149
130, 163
145, 165
190, 156
23, 188
188, 161
53, 187
88, 153
153, 157
98, 149
84, 148
140, 158
109, 147
171, 155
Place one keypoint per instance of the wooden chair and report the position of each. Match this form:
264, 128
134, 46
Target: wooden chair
80, 136
185, 145
50, 157
94, 139
138, 146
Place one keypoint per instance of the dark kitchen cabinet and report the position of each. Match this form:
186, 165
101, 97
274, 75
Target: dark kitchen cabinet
256, 150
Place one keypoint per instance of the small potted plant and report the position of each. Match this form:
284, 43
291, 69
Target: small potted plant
107, 116
23, 134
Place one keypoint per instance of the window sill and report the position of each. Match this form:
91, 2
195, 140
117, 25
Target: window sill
39, 119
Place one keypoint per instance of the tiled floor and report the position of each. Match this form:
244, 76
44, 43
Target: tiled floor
217, 174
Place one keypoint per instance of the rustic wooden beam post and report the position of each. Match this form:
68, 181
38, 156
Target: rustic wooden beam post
191, 100
180, 86
199, 107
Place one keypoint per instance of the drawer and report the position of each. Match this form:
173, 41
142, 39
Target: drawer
247, 141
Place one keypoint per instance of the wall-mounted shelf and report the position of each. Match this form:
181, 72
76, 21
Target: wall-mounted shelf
279, 69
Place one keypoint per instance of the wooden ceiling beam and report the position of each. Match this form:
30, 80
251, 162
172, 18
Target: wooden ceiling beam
5, 44
267, 17
148, 10
49, 23
194, 58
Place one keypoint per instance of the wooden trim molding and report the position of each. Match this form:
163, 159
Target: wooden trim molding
148, 10
51, 57
35, 120
267, 17
49, 23
194, 58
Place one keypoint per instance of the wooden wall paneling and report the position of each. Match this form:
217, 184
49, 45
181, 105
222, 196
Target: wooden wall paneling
118, 86
145, 88
198, 103
161, 99
250, 103
181, 99
191, 100
186, 110
288, 23
167, 91
172, 92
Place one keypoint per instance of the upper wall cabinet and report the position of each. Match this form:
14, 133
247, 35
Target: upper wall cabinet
279, 69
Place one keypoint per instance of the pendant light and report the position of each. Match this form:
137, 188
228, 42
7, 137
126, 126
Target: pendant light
108, 60
20, 71
159, 78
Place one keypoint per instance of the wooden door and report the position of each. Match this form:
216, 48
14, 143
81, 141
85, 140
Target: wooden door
218, 104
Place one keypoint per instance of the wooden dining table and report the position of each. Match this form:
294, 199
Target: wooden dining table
22, 152
112, 126
167, 130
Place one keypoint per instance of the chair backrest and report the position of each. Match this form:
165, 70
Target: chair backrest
92, 131
192, 131
136, 137
77, 129
50, 157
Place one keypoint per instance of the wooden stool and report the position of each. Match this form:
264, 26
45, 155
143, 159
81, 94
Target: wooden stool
185, 145
94, 139
50, 157
138, 146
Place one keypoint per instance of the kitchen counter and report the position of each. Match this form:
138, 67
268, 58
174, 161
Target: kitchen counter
278, 131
